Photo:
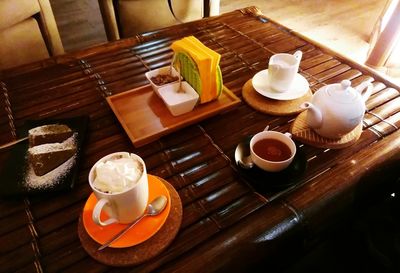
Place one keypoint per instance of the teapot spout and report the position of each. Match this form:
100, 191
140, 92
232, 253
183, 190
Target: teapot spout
314, 115
365, 89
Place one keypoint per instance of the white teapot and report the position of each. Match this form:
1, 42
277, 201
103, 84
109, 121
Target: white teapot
336, 109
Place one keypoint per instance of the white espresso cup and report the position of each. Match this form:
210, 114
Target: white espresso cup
282, 70
272, 151
122, 202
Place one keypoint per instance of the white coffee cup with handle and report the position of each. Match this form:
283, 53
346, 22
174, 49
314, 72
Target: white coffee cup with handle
272, 151
282, 70
119, 182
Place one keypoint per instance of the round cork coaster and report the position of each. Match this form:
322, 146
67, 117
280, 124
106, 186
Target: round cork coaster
142, 252
303, 133
271, 106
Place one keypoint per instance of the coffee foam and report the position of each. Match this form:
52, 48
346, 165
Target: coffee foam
117, 174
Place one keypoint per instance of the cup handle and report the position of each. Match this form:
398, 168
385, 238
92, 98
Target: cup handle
298, 55
288, 134
96, 214
273, 68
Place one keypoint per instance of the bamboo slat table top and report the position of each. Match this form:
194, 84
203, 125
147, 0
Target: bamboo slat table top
228, 224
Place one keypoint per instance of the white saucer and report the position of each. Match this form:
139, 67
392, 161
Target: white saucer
299, 87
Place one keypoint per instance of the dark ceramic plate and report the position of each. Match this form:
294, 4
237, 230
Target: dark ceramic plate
263, 180
15, 179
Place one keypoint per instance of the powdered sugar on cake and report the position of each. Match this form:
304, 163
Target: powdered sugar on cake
51, 178
55, 176
50, 128
51, 147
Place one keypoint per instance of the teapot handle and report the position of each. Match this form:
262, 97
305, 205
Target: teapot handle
365, 89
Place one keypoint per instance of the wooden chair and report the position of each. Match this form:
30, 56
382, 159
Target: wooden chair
385, 40
126, 18
28, 32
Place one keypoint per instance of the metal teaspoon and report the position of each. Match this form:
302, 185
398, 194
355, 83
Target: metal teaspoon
154, 208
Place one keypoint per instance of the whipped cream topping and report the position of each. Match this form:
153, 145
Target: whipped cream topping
117, 175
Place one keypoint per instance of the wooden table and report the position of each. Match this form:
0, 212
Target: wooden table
228, 225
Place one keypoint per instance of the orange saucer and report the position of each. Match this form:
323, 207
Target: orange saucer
139, 233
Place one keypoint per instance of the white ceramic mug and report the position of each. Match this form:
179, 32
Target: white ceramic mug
268, 165
282, 70
124, 206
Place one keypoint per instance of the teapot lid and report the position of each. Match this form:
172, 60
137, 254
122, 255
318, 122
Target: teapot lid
343, 92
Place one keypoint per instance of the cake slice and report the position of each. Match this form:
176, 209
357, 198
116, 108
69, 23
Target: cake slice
46, 157
49, 134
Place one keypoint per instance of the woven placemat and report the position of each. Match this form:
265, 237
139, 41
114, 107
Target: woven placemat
271, 106
143, 252
303, 133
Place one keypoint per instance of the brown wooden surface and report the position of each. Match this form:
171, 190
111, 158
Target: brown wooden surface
228, 223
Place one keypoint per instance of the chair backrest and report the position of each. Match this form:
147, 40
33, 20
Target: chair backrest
384, 51
28, 32
126, 18
384, 38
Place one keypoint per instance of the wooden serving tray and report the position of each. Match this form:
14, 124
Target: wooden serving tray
146, 118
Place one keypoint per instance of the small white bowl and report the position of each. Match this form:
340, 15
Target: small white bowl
179, 103
163, 71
